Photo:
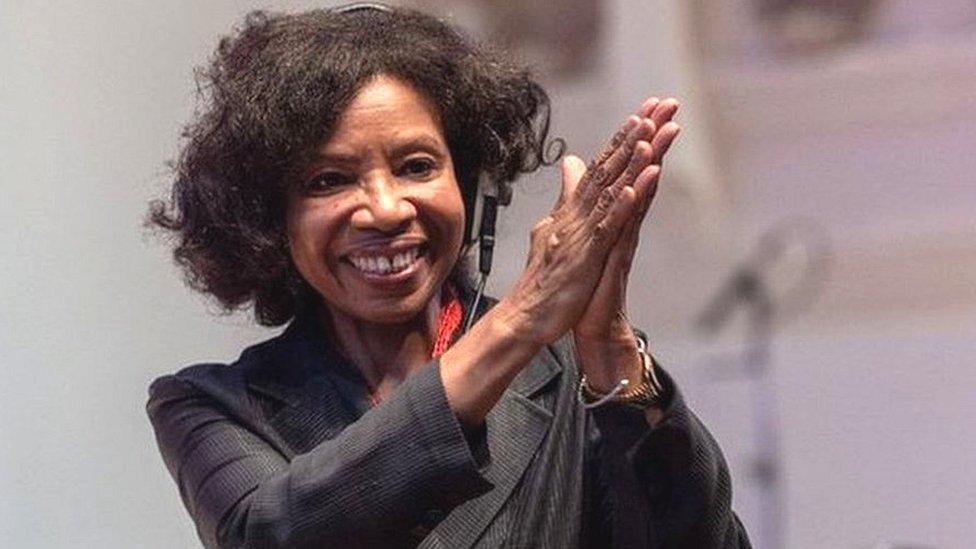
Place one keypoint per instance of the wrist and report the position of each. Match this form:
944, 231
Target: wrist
605, 362
648, 393
608, 355
504, 334
478, 368
613, 335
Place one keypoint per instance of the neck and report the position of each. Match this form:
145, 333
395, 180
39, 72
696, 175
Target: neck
385, 353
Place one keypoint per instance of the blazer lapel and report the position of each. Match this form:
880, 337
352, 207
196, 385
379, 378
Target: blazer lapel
312, 406
516, 427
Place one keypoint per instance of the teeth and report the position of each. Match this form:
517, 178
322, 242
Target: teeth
385, 265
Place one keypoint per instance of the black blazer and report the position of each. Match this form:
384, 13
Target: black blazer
276, 450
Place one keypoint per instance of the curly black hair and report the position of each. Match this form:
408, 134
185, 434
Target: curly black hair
275, 88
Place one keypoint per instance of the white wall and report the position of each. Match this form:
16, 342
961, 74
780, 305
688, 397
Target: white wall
874, 385
93, 95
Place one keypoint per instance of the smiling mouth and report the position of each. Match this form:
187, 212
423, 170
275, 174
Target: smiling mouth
381, 264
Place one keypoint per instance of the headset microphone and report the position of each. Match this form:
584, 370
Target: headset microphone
486, 242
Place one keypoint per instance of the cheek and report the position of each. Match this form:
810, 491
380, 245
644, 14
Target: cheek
454, 210
309, 232
449, 222
447, 207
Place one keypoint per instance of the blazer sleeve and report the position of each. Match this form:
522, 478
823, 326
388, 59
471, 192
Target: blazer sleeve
662, 487
377, 477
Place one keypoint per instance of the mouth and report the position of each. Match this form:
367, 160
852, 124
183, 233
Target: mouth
387, 263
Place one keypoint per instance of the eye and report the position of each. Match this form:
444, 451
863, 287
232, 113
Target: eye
327, 181
420, 168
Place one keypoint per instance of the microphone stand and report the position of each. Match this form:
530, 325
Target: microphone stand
765, 468
747, 289
766, 309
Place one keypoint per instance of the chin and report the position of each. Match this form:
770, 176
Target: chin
398, 310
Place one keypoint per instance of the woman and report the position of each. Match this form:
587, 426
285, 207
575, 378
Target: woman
330, 181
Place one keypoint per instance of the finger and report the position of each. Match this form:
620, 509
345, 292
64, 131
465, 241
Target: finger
622, 255
641, 158
618, 140
663, 139
540, 233
633, 239
573, 169
664, 111
611, 214
599, 176
648, 106
599, 171
645, 188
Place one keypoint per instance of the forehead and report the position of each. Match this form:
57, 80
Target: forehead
386, 89
386, 106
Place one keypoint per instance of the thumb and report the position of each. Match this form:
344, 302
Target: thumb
573, 169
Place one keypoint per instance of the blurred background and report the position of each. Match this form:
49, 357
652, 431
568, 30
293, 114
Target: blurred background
808, 273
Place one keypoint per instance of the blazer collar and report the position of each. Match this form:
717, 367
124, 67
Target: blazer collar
311, 383
283, 367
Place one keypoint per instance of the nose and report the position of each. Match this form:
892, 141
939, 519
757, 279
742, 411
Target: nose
384, 208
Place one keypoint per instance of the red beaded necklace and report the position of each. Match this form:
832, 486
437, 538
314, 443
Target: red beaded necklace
447, 325
449, 322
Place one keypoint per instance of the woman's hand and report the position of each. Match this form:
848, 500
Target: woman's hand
596, 217
570, 246
603, 336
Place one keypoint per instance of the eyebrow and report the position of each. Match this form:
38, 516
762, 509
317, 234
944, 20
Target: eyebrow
424, 142
334, 158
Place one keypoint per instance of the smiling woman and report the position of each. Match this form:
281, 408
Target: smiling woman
330, 182
274, 92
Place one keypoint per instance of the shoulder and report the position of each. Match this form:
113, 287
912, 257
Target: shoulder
223, 382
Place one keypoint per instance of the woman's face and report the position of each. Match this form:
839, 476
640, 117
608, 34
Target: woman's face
376, 221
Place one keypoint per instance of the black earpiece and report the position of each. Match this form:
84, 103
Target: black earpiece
486, 234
